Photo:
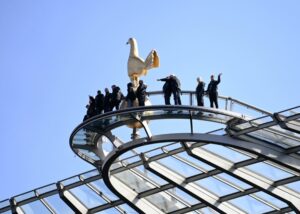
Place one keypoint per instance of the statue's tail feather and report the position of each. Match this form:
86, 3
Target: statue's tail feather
152, 60
155, 59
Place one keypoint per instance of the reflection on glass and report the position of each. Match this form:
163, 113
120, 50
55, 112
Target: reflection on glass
215, 186
135, 182
250, 205
268, 171
156, 179
225, 152
7, 212
180, 167
184, 196
208, 210
127, 209
270, 199
294, 186
4, 203
47, 188
88, 197
24, 196
58, 205
99, 184
203, 166
109, 211
90, 174
165, 202
35, 207
70, 180
89, 154
234, 181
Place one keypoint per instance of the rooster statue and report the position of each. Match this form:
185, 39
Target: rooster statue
136, 66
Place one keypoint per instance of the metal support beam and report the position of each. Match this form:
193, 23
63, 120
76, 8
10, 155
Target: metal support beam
281, 192
191, 188
71, 200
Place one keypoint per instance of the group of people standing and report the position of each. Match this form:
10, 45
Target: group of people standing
211, 91
172, 86
109, 101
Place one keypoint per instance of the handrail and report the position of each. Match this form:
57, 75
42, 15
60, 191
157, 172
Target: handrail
229, 101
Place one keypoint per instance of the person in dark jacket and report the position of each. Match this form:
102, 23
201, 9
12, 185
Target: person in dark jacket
167, 89
99, 101
86, 115
141, 93
200, 91
175, 89
107, 101
116, 97
212, 90
91, 111
131, 95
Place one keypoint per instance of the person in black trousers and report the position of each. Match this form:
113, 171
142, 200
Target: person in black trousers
107, 101
91, 111
200, 92
176, 89
131, 95
141, 93
212, 90
167, 89
99, 101
116, 97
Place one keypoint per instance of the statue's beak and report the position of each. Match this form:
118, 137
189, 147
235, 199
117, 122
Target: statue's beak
127, 43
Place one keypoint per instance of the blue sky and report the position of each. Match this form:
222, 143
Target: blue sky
53, 54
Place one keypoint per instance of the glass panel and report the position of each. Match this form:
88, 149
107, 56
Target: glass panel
227, 153
83, 136
127, 209
250, 205
99, 184
294, 186
203, 166
165, 202
7, 212
134, 181
87, 196
130, 160
24, 196
164, 126
208, 210
270, 199
147, 148
274, 138
90, 174
156, 179
4, 203
35, 207
46, 189
269, 171
89, 154
215, 186
234, 181
70, 181
184, 196
58, 205
179, 166
109, 211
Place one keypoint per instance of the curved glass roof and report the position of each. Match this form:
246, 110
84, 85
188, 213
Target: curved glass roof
182, 159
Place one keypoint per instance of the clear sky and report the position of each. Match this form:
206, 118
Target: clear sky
53, 54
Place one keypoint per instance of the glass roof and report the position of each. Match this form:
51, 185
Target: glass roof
183, 159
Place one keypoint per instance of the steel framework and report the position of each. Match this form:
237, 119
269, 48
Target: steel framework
237, 159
